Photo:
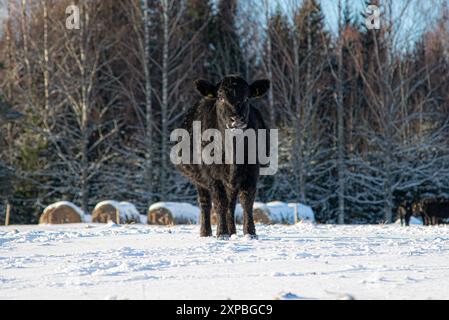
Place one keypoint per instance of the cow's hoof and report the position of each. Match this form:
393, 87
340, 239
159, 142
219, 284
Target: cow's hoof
251, 237
223, 237
205, 235
205, 232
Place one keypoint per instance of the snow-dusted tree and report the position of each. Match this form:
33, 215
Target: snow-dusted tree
6, 174
78, 125
173, 88
226, 43
395, 152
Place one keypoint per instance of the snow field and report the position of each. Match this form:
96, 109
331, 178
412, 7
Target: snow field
304, 261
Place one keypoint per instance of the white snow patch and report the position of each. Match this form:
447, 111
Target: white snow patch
260, 205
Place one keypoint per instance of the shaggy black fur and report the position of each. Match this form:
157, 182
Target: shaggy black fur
225, 105
434, 211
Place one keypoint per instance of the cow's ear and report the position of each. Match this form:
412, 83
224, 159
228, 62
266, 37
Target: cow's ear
259, 88
206, 89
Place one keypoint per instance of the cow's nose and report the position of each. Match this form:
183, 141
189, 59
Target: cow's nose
236, 121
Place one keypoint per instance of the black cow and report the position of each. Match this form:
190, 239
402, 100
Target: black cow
434, 211
225, 106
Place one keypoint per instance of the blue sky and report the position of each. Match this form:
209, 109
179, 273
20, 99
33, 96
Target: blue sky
411, 17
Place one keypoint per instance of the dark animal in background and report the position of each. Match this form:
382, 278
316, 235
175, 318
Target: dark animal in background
434, 211
225, 106
405, 212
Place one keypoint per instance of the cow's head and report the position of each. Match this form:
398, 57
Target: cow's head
231, 96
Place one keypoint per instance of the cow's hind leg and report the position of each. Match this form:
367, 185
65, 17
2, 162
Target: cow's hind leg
247, 196
205, 202
220, 200
434, 221
425, 219
230, 214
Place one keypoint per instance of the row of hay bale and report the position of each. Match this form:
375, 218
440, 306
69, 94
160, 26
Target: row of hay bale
275, 212
104, 212
172, 213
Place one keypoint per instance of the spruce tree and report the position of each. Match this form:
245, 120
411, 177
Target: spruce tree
228, 57
6, 174
199, 21
309, 22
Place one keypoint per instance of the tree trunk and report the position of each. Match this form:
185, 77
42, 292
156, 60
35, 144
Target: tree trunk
298, 150
25, 42
148, 174
340, 125
46, 63
84, 115
269, 66
164, 105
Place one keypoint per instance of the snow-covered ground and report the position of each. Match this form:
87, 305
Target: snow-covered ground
147, 262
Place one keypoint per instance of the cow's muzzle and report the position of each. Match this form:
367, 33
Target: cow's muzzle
237, 123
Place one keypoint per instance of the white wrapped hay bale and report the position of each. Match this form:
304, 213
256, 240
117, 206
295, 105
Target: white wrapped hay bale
305, 213
280, 212
61, 213
284, 213
106, 211
129, 212
172, 213
276, 212
261, 213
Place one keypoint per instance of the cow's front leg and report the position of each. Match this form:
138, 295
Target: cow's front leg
408, 217
205, 203
230, 215
220, 200
247, 196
